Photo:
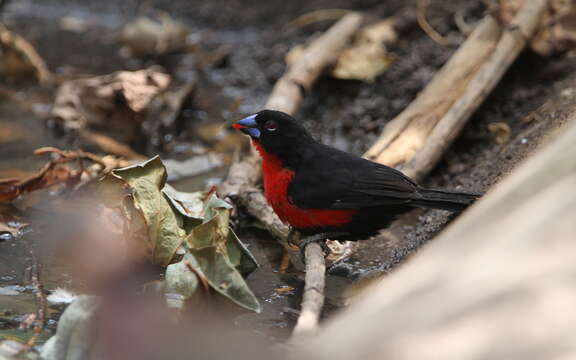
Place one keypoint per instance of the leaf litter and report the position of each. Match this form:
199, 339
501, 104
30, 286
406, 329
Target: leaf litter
188, 233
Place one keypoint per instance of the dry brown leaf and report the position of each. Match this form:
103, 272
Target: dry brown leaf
115, 102
366, 58
55, 172
51, 174
501, 132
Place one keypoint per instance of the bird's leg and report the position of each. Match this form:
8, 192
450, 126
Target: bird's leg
293, 235
320, 239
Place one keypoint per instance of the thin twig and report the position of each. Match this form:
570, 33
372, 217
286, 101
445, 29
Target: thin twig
425, 25
405, 135
41, 303
313, 297
19, 47
514, 38
415, 140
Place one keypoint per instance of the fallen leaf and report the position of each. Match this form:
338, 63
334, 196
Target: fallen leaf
188, 233
210, 243
115, 103
55, 172
285, 289
366, 58
165, 232
51, 174
501, 132
189, 205
179, 278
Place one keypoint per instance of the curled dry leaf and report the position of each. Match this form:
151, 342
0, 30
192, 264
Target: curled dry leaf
51, 174
115, 103
216, 257
56, 172
501, 132
219, 256
366, 58
163, 226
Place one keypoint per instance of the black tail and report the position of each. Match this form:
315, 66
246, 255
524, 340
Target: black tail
445, 199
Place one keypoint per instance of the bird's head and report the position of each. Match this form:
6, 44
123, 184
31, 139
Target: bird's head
276, 132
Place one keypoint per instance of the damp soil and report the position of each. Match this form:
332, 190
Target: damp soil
345, 114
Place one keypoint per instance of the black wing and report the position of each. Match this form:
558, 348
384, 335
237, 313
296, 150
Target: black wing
332, 179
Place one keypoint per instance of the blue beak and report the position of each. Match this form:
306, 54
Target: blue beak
248, 126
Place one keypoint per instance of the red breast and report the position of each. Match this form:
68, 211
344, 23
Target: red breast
276, 180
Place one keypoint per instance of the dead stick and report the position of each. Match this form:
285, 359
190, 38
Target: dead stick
41, 304
513, 40
17, 46
324, 51
403, 136
313, 297
416, 139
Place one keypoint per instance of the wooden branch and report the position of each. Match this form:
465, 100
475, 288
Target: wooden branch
511, 43
323, 52
41, 303
416, 139
313, 297
494, 285
403, 136
20, 57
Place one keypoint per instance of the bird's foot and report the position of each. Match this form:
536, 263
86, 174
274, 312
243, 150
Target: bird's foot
320, 239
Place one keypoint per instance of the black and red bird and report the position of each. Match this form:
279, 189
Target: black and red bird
320, 190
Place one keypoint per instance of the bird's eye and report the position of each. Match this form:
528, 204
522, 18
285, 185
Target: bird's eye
270, 125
